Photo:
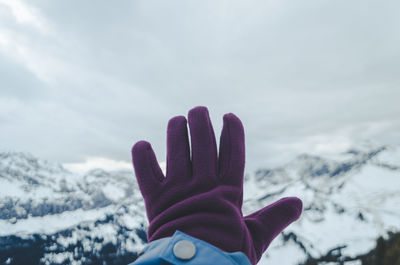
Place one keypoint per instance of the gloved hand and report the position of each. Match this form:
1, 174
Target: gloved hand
202, 195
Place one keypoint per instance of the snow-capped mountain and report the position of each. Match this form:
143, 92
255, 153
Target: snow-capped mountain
348, 201
49, 215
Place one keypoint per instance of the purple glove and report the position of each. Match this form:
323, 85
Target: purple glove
202, 196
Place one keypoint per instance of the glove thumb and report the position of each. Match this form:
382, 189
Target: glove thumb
265, 224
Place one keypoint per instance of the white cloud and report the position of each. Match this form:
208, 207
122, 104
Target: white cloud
302, 77
103, 163
31, 44
27, 15
23, 50
97, 162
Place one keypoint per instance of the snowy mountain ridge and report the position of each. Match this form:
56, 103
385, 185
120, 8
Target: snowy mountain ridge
348, 201
67, 218
34, 187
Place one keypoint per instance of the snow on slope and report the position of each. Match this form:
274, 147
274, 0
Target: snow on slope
62, 217
349, 200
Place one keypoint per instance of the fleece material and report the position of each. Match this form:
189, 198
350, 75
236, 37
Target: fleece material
202, 192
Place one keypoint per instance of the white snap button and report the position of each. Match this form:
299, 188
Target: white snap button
184, 249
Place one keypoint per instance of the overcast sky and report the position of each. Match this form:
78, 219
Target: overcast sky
87, 79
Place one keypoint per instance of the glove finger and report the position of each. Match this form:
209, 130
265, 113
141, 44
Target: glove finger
178, 150
147, 170
232, 151
265, 224
204, 147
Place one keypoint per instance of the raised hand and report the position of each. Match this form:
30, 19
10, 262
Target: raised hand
202, 194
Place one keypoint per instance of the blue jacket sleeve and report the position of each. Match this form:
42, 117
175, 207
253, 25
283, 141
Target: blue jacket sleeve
184, 249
